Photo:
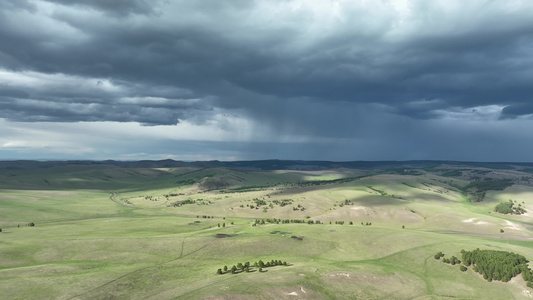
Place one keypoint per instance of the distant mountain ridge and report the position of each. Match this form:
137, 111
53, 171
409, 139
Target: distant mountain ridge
272, 164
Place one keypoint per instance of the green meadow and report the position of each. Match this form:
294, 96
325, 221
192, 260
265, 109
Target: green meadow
113, 232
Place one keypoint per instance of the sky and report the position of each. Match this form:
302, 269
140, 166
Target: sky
278, 79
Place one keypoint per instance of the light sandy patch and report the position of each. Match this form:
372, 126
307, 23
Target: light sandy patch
295, 292
512, 225
370, 286
517, 287
358, 208
473, 220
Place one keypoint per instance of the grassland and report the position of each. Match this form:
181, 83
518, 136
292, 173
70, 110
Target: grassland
104, 231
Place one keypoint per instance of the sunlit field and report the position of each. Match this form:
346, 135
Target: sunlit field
106, 231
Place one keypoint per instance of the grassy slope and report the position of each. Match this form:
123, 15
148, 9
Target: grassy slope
87, 246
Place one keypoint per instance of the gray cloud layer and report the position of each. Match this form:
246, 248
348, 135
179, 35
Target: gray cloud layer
319, 68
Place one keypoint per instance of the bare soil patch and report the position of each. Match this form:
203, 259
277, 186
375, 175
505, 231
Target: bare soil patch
280, 232
222, 235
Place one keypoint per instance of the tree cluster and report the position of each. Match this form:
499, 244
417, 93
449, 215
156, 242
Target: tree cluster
479, 188
439, 255
314, 222
489, 185
205, 217
282, 202
253, 188
189, 181
286, 221
258, 203
173, 195
151, 198
452, 173
247, 267
184, 202
492, 264
299, 207
346, 202
509, 208
276, 221
452, 260
323, 182
497, 265
258, 222
382, 193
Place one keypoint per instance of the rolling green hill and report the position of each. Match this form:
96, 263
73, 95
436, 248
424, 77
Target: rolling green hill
161, 229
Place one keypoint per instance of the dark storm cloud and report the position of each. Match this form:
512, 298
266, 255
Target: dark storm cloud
71, 103
118, 7
516, 110
142, 112
300, 71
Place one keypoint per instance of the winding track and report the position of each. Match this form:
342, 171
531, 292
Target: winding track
140, 269
181, 255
